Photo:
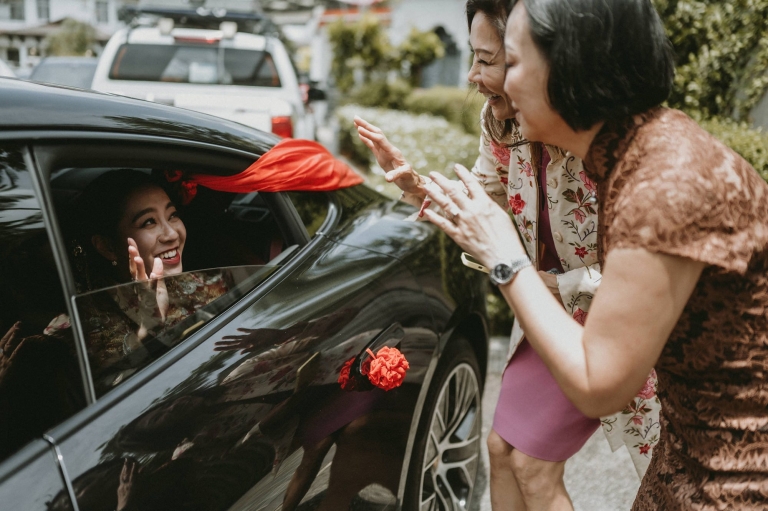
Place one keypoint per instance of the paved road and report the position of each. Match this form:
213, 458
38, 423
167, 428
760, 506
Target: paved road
596, 478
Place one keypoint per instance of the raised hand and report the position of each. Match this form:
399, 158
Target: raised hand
474, 220
155, 296
8, 349
126, 483
391, 160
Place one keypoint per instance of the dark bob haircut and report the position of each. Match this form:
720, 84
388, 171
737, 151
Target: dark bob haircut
608, 59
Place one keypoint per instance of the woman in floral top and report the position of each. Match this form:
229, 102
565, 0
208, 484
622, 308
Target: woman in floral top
536, 428
682, 240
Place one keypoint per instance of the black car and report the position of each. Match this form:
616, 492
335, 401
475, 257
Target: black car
237, 403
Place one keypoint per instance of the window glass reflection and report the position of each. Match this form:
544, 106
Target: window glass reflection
129, 325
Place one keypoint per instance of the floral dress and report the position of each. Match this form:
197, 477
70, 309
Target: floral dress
509, 175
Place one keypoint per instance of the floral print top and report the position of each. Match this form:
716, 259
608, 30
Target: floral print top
508, 175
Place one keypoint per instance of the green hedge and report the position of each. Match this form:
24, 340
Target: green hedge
750, 143
459, 106
381, 94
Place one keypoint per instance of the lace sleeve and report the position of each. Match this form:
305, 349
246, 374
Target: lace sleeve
689, 196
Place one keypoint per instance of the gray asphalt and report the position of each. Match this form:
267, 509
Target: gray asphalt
596, 478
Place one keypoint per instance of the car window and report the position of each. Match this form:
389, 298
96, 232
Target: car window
205, 64
126, 226
312, 208
40, 380
129, 325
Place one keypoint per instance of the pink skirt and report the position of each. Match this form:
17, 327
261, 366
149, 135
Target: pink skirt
533, 415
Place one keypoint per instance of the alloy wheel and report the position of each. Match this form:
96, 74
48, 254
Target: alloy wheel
452, 451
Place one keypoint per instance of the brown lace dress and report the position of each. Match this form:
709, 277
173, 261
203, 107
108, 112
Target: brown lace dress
667, 186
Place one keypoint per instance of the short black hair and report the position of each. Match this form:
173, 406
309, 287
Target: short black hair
608, 59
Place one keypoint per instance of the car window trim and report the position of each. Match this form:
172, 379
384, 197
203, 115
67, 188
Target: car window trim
61, 260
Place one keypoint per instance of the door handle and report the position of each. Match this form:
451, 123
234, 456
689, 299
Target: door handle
390, 336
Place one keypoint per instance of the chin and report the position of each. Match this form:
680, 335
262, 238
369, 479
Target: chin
502, 114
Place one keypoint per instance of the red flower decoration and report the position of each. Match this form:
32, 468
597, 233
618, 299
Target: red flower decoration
637, 420
173, 175
517, 204
645, 448
579, 215
387, 369
581, 252
188, 191
649, 388
580, 316
500, 153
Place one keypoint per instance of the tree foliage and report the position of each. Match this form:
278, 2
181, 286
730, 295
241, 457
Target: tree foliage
74, 39
361, 45
364, 45
418, 50
722, 54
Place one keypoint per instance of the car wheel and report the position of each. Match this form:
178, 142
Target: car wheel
446, 453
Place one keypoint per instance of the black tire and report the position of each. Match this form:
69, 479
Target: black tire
445, 460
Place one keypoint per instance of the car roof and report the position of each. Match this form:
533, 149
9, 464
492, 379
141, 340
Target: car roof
29, 106
153, 35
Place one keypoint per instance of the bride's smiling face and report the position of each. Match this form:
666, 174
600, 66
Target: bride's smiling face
152, 221
487, 70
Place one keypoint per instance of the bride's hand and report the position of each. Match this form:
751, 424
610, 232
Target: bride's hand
153, 282
391, 160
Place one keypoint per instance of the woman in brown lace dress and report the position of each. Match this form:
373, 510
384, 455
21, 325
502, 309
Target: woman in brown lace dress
683, 243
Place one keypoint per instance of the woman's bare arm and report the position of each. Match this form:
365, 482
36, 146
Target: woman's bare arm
601, 366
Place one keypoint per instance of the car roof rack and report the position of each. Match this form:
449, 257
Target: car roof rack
202, 17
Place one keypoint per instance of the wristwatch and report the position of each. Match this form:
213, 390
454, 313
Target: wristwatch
503, 273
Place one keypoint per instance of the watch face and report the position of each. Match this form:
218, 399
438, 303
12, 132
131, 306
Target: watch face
502, 273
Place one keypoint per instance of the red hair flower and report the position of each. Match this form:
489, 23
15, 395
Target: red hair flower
387, 369
188, 191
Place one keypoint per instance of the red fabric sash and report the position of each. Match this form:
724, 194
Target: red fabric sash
291, 165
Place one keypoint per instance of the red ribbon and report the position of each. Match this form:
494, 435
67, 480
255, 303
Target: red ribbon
291, 165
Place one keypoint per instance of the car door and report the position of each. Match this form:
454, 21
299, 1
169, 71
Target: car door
40, 381
238, 406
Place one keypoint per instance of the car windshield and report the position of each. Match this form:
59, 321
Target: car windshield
70, 73
209, 64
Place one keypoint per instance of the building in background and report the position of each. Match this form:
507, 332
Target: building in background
24, 24
303, 22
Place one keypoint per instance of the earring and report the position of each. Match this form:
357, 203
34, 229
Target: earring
114, 263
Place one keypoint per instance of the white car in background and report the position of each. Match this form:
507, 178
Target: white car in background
244, 77
5, 70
